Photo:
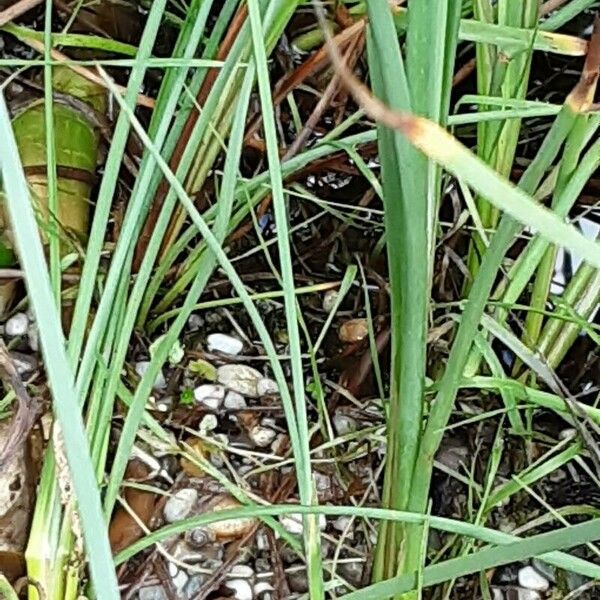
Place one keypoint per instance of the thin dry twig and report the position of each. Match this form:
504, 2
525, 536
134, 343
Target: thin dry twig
142, 99
27, 408
16, 10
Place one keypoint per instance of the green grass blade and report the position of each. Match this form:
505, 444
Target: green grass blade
66, 404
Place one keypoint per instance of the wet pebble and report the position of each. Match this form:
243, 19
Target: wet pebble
17, 325
209, 395
240, 378
529, 578
234, 401
266, 387
241, 589
142, 366
180, 505
220, 342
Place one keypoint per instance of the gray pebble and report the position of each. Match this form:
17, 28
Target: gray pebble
180, 505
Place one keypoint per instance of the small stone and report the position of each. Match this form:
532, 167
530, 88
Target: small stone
263, 590
180, 579
241, 572
293, 523
24, 363
194, 322
240, 378
298, 582
234, 401
532, 580
152, 592
180, 505
219, 342
17, 325
142, 366
354, 330
342, 524
241, 589
267, 387
497, 594
262, 436
343, 423
194, 585
208, 423
33, 337
525, 594
262, 542
322, 482
262, 565
210, 396
329, 300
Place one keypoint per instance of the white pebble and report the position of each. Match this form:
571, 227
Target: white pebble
240, 378
329, 300
180, 505
17, 325
234, 401
263, 587
241, 572
219, 342
262, 542
142, 366
267, 387
525, 594
208, 423
343, 423
241, 589
568, 433
532, 580
179, 580
497, 594
293, 523
33, 337
262, 436
209, 395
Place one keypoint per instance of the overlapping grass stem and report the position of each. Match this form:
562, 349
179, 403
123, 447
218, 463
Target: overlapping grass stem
411, 59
